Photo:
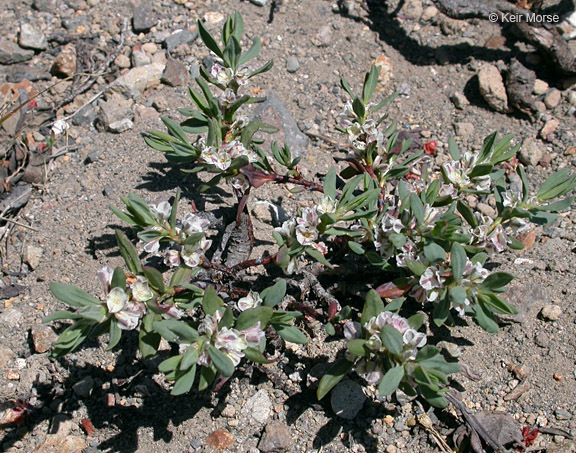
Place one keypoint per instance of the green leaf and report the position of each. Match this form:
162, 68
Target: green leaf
359, 108
457, 260
441, 311
485, 318
434, 397
118, 279
416, 267
391, 380
209, 40
148, 342
250, 317
290, 333
344, 84
207, 375
211, 302
391, 339
72, 296
434, 253
458, 294
174, 129
60, 315
254, 355
318, 256
333, 376
358, 347
189, 358
370, 82
184, 382
417, 208
265, 68
356, 248
154, 278
170, 364
115, 335
372, 307
182, 276
416, 321
330, 183
251, 53
273, 295
498, 305
176, 331
453, 149
95, 313
467, 213
129, 253
496, 281
221, 361
558, 206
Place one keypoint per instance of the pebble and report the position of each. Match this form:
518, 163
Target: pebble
42, 338
32, 38
347, 399
292, 64
551, 312
122, 61
137, 80
220, 439
572, 98
561, 414
429, 13
61, 444
64, 64
139, 58
413, 9
459, 100
150, 48
11, 53
492, 88
117, 127
540, 87
83, 388
552, 98
116, 109
530, 153
258, 408
180, 37
385, 65
259, 2
276, 438
549, 128
11, 317
542, 340
6, 354
143, 18
32, 256
323, 37
463, 129
175, 73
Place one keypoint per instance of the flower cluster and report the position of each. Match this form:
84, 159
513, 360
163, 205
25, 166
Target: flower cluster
361, 132
223, 156
126, 304
458, 173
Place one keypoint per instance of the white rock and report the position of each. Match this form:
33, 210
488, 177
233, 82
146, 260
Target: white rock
257, 409
492, 88
540, 87
32, 256
551, 312
137, 80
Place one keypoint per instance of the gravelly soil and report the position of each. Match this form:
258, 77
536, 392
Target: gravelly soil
125, 400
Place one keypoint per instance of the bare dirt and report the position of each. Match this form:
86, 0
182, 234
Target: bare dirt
124, 398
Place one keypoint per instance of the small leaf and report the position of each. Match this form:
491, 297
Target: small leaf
434, 253
496, 281
209, 40
251, 316
290, 333
333, 376
211, 302
391, 339
115, 335
154, 278
358, 347
72, 296
391, 380
372, 307
184, 382
416, 321
129, 253
273, 295
118, 279
330, 184
221, 361
207, 375
457, 260
254, 355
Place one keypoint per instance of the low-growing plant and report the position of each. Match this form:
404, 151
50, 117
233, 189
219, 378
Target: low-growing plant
390, 208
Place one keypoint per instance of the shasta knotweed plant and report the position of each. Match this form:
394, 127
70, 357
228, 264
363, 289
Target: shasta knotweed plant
389, 207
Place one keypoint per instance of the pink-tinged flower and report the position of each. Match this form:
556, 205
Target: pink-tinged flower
326, 206
456, 174
432, 278
253, 336
287, 228
141, 292
221, 74
153, 246
374, 343
498, 239
390, 223
241, 76
161, 210
229, 339
240, 182
130, 316
252, 300
370, 371
105, 277
321, 247
511, 198
117, 299
306, 235
59, 127
413, 338
227, 96
352, 330
430, 216
418, 293
193, 223
209, 325
448, 190
172, 258
483, 183
474, 274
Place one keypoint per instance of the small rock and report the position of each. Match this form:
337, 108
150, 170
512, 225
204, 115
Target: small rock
137, 80
572, 98
539, 106
323, 37
123, 125
150, 48
85, 117
463, 129
45, 6
258, 408
551, 312
262, 211
180, 37
65, 62
83, 388
528, 300
570, 151
220, 440
139, 58
259, 2
561, 414
213, 17
143, 18
413, 9
547, 131
459, 100
276, 438
347, 399
568, 446
530, 153
144, 114
42, 338
18, 73
552, 98
274, 112
11, 317
175, 74
292, 64
116, 109
492, 88
32, 256
122, 61
385, 65
32, 38
542, 340
6, 354
540, 87
11, 53
61, 444
429, 13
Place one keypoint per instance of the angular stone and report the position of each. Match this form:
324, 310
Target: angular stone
32, 38
385, 65
32, 256
463, 129
220, 439
139, 57
65, 62
137, 80
180, 37
274, 112
530, 153
18, 73
347, 399
114, 110
61, 444
143, 18
552, 98
83, 388
429, 13
259, 2
123, 125
276, 438
528, 298
258, 408
122, 61
175, 74
413, 9
459, 100
551, 312
42, 338
323, 37
11, 53
492, 88
547, 131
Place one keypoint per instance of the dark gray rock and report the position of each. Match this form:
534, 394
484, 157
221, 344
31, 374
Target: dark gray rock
113, 112
276, 438
20, 72
45, 6
274, 112
143, 18
347, 399
292, 64
11, 53
83, 388
72, 23
85, 117
175, 74
178, 38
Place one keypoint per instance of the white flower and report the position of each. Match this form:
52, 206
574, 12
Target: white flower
391, 223
306, 235
172, 258
105, 277
193, 223
60, 127
326, 206
209, 326
140, 290
511, 198
370, 371
456, 174
130, 316
161, 210
352, 330
227, 96
254, 335
483, 183
221, 74
252, 300
116, 300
